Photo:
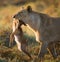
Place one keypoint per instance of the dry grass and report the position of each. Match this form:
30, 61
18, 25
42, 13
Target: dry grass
6, 14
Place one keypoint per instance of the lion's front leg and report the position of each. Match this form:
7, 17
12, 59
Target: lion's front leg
43, 50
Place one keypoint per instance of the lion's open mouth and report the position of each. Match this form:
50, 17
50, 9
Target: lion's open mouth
22, 23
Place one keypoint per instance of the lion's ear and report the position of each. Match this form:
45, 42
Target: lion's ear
29, 9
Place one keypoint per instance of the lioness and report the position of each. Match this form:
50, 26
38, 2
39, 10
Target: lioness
46, 28
17, 34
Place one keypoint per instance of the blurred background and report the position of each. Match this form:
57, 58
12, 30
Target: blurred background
10, 7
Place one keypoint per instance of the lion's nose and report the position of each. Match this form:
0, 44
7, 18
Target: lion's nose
14, 16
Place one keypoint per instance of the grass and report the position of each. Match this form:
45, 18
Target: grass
14, 55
